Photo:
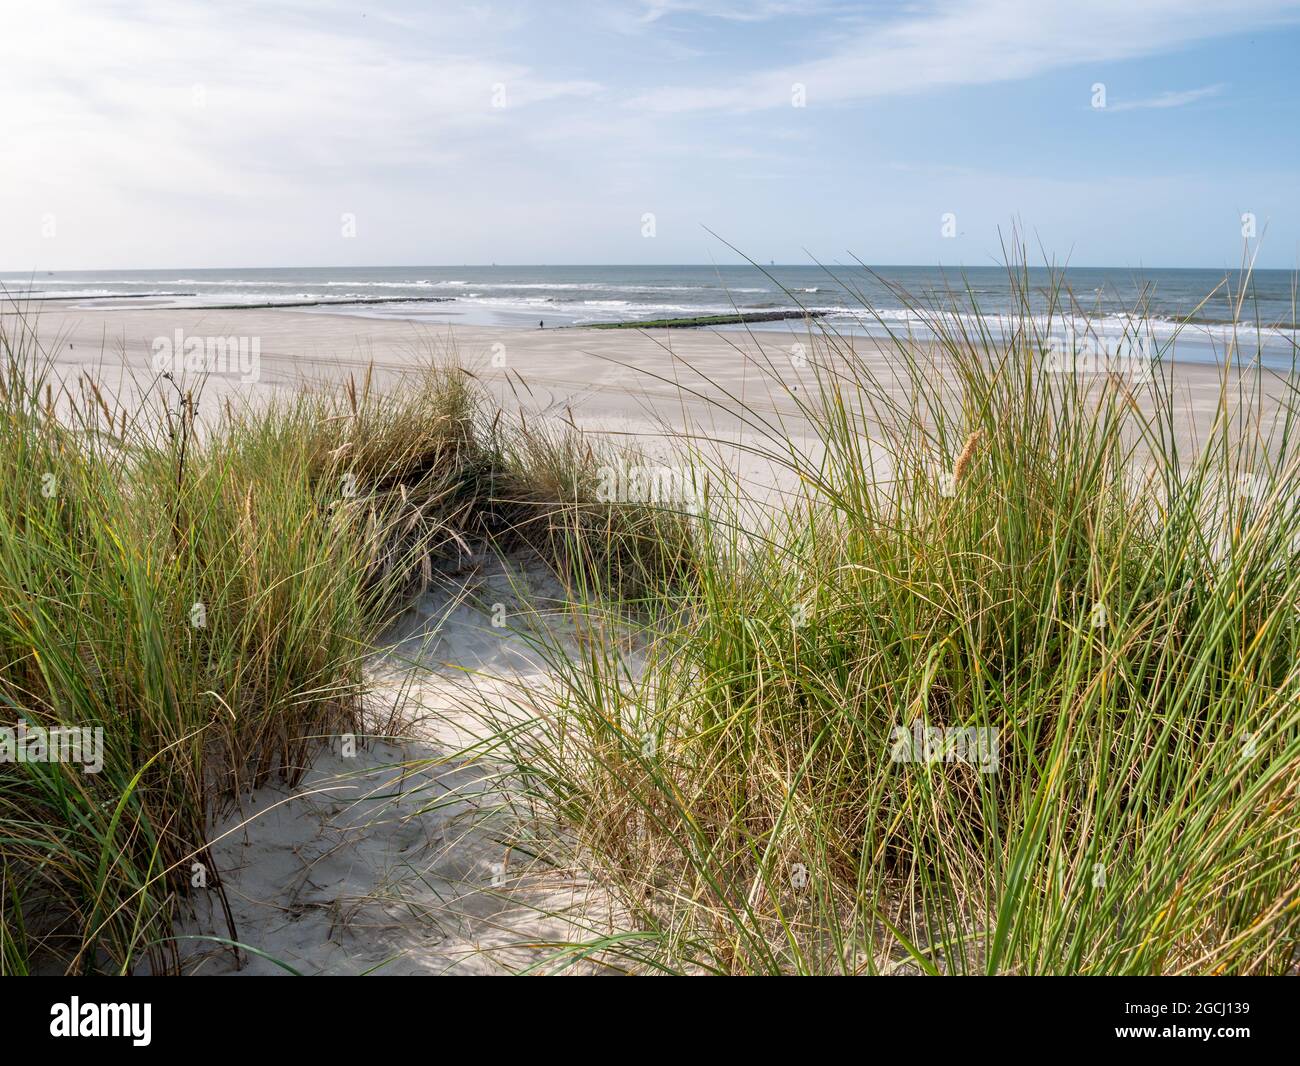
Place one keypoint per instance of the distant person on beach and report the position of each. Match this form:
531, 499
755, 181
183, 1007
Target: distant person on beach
541, 324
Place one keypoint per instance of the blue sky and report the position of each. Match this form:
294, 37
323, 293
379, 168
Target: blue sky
175, 134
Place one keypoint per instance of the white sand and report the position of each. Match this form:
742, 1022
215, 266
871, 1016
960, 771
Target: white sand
724, 392
625, 382
412, 857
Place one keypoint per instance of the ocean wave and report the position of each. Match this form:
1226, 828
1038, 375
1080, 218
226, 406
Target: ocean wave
255, 285
77, 294
622, 297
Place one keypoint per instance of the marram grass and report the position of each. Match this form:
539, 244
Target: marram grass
1011, 685
1012, 688
205, 591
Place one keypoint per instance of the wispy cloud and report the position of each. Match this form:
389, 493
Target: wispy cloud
977, 42
160, 131
1169, 99
145, 91
734, 11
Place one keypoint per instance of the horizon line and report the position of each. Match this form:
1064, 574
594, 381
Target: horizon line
755, 265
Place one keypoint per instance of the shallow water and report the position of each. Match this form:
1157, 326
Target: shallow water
1108, 302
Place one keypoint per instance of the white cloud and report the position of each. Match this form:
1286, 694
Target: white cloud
185, 132
977, 42
184, 96
737, 11
1169, 99
175, 129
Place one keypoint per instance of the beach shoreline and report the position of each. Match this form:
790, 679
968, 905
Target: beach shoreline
629, 383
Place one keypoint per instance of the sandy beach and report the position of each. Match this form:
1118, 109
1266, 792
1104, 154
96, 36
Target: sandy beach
599, 375
631, 384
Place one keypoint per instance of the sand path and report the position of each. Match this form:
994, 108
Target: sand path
412, 853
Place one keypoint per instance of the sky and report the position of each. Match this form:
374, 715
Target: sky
1106, 133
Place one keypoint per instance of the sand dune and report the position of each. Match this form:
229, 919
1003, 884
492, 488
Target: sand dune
403, 858
411, 856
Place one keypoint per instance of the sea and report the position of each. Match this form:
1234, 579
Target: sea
1192, 309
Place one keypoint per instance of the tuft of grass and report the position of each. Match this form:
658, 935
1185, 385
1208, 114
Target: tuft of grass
1091, 628
552, 493
205, 591
204, 595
